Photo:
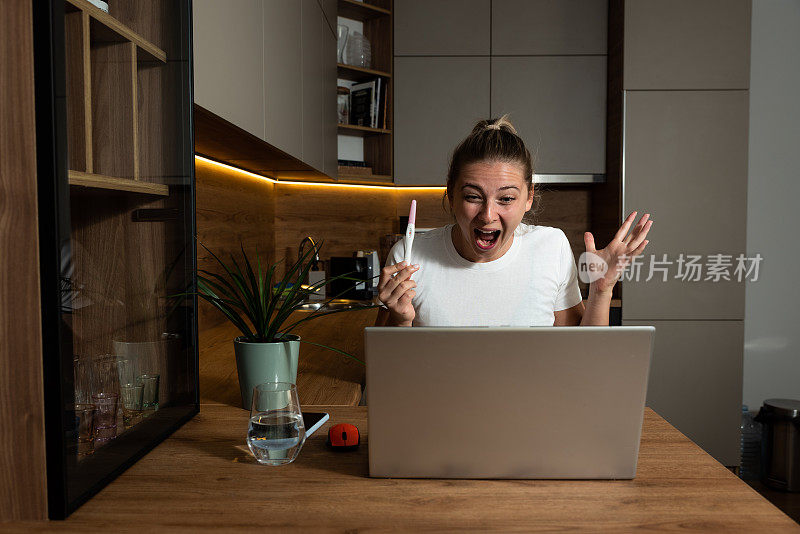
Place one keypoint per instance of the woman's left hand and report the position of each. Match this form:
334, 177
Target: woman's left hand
619, 252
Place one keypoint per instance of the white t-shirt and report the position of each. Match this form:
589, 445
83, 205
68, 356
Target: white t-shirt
524, 287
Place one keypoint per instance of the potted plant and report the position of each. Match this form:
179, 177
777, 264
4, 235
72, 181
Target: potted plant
260, 305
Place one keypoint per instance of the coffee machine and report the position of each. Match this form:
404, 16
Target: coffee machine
364, 267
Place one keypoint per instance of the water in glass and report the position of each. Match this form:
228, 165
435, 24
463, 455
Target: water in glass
275, 437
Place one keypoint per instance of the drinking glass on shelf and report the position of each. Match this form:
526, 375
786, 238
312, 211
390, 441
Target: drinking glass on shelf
105, 420
80, 428
341, 40
131, 404
149, 383
357, 51
276, 432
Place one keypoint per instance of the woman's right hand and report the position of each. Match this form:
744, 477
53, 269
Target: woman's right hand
395, 291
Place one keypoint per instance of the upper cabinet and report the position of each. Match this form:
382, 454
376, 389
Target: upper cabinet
558, 105
437, 100
283, 77
541, 61
442, 27
702, 44
269, 67
549, 27
228, 54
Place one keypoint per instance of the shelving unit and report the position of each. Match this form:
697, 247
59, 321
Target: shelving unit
376, 17
120, 234
99, 181
361, 131
358, 74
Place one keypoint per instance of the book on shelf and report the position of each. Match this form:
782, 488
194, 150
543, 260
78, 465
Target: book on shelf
368, 103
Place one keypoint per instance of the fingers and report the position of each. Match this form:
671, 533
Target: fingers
636, 241
636, 229
400, 292
388, 272
639, 249
588, 240
623, 230
395, 281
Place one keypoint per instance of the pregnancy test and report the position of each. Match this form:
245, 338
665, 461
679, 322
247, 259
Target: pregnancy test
409, 238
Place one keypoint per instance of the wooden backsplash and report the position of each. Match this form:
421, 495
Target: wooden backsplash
272, 218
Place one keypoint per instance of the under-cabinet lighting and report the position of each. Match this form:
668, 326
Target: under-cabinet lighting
432, 188
235, 169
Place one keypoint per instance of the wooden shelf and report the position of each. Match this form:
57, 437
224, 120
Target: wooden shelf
350, 9
100, 181
370, 179
108, 28
361, 131
358, 74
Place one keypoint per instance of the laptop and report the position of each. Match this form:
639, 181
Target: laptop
506, 403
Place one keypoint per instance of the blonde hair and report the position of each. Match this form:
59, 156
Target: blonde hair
491, 140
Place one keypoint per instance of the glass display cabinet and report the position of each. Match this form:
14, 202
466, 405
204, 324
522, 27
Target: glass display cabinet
116, 211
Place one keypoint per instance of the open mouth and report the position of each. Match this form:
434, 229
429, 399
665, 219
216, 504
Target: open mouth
486, 239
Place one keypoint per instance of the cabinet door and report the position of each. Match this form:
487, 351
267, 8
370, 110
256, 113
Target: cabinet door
558, 105
283, 95
696, 381
313, 30
228, 61
437, 102
441, 27
329, 120
687, 44
685, 163
549, 27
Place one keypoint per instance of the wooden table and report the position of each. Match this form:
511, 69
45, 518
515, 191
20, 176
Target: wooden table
203, 478
323, 376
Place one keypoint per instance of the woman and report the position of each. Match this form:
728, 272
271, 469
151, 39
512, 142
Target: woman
490, 268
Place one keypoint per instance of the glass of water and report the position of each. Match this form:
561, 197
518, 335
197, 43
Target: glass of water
276, 432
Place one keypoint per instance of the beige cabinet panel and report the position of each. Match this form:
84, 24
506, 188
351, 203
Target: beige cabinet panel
696, 381
329, 119
685, 163
283, 95
559, 107
441, 27
437, 102
549, 27
687, 44
228, 61
329, 9
313, 29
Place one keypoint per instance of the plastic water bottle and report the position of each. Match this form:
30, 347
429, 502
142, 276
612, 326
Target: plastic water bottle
750, 447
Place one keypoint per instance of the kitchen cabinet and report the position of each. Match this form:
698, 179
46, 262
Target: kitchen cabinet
442, 27
549, 27
116, 219
269, 67
546, 69
438, 100
686, 164
687, 44
696, 381
558, 105
229, 62
313, 30
283, 75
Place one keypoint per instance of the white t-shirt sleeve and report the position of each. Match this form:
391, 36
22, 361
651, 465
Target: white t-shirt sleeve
569, 294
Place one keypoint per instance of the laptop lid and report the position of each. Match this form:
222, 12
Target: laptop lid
542, 402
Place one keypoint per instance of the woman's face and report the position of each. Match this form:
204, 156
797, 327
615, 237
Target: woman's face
489, 200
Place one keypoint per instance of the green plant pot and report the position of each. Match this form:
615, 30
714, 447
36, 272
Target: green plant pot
257, 363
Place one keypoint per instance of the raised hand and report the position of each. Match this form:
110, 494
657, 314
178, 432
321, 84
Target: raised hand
395, 291
619, 252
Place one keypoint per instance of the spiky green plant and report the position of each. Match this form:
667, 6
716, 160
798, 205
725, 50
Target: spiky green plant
259, 304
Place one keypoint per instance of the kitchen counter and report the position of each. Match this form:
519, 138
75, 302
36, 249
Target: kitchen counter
323, 376
204, 478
